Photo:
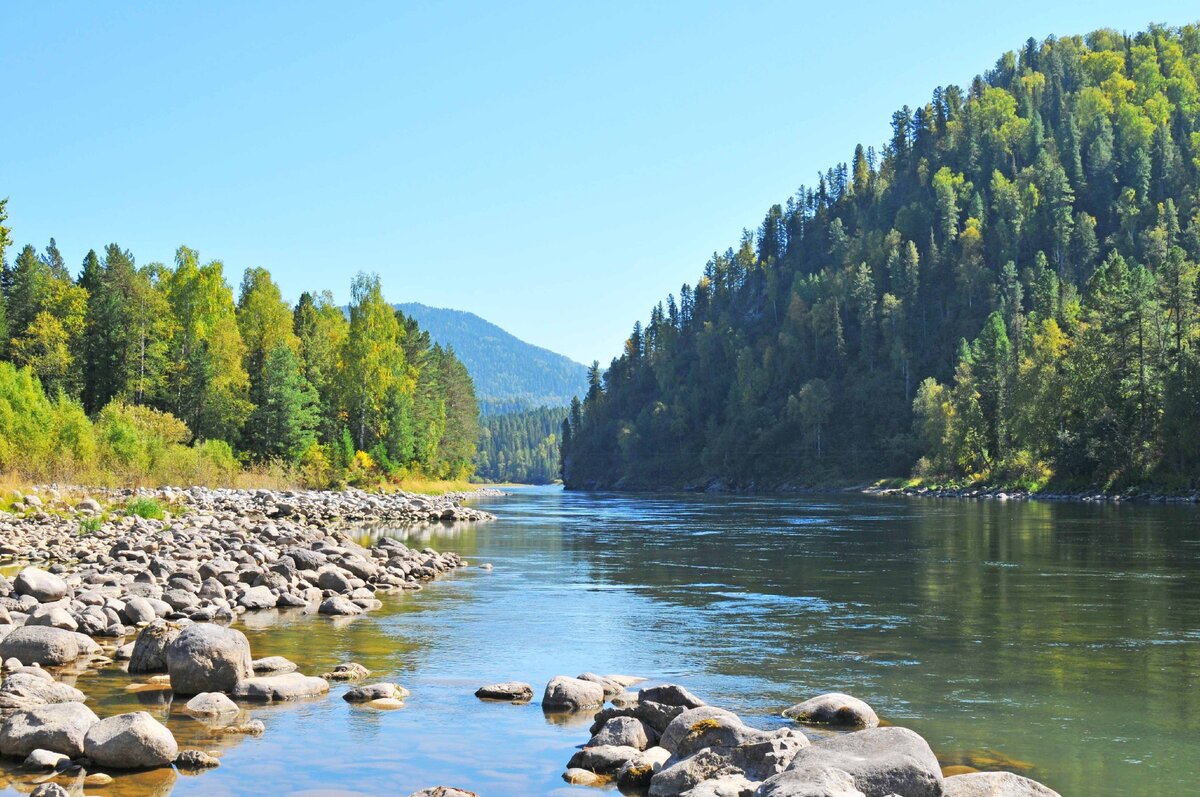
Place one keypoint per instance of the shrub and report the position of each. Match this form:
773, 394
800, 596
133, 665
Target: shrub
145, 508
90, 525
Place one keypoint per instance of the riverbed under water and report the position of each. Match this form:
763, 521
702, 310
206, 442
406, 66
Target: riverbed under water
1061, 641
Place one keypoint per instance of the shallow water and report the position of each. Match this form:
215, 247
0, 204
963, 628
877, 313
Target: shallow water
1056, 640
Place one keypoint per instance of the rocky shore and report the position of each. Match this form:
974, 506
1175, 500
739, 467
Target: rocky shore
664, 741
1002, 494
96, 583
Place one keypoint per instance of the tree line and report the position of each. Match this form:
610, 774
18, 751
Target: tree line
520, 447
1006, 291
126, 365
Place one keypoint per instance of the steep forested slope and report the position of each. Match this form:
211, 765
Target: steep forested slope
509, 373
521, 446
1006, 290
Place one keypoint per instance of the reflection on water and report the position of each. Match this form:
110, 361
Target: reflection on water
1056, 640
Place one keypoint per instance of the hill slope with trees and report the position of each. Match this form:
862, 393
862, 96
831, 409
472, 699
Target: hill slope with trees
509, 374
1005, 291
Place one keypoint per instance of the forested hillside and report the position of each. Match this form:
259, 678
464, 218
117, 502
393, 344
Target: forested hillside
1005, 291
510, 375
520, 447
157, 372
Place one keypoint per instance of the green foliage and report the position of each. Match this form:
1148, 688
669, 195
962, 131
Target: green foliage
90, 525
145, 508
1048, 213
521, 447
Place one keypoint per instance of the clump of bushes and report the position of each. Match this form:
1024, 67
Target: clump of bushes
145, 508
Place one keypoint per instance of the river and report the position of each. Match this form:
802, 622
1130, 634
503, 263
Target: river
1058, 640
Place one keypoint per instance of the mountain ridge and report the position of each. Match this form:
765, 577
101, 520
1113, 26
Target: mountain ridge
510, 374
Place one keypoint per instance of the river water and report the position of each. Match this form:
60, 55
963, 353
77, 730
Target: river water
1061, 641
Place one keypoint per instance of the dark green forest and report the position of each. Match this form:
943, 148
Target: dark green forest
129, 372
1004, 292
520, 447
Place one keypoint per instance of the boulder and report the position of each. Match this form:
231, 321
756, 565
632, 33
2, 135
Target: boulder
211, 704
509, 690
882, 761
369, 692
150, 648
43, 760
208, 658
195, 760
995, 784
725, 786
622, 732
811, 782
138, 611
41, 645
670, 695
38, 584
130, 741
635, 775
258, 598
58, 727
834, 709
611, 688
276, 688
338, 606
682, 775
603, 760
31, 687
571, 694
584, 777
443, 791
273, 665
49, 790
691, 720
54, 617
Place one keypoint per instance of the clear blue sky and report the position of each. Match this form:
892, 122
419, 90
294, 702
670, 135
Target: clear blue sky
556, 168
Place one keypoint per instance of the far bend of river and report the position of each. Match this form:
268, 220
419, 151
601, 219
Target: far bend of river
1057, 640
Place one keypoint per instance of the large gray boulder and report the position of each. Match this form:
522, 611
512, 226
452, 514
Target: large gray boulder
995, 784
130, 741
277, 688
28, 688
509, 690
725, 786
57, 727
681, 775
45, 587
635, 775
834, 709
571, 694
811, 782
623, 732
690, 721
150, 647
670, 695
211, 704
257, 598
208, 658
43, 645
603, 760
882, 761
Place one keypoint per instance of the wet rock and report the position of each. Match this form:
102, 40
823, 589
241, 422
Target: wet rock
509, 690
584, 777
58, 727
196, 760
623, 732
49, 790
995, 784
682, 775
211, 704
637, 771
150, 648
348, 671
670, 695
276, 688
130, 741
691, 720
604, 760
370, 692
44, 760
41, 645
250, 728
273, 665
834, 709
40, 585
882, 761
571, 694
339, 606
208, 658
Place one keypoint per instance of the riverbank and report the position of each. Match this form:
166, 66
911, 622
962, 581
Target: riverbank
1000, 493
152, 577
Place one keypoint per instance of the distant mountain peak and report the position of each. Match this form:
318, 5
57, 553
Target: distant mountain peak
509, 373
